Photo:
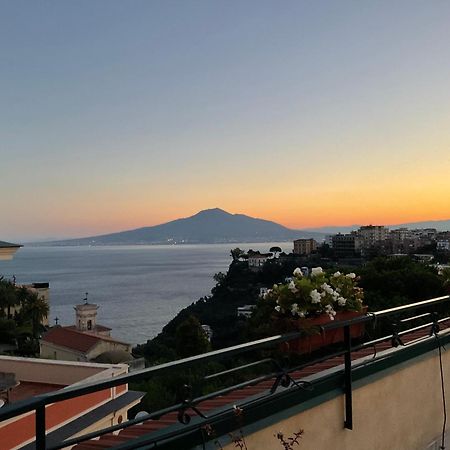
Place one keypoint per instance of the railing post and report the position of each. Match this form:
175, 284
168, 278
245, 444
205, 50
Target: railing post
40, 427
435, 326
348, 423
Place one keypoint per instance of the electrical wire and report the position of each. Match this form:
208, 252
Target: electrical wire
442, 447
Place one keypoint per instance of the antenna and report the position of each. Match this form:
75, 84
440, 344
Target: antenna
86, 299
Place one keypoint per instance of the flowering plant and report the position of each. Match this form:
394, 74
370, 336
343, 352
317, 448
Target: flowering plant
316, 294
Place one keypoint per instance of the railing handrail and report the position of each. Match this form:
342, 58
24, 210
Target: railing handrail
370, 316
27, 405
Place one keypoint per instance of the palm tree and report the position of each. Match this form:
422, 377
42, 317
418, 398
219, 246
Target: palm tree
8, 297
33, 309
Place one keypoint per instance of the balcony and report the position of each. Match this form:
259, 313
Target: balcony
373, 393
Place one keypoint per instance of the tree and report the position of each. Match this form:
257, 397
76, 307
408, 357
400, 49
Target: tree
236, 253
8, 297
275, 250
190, 338
390, 282
33, 310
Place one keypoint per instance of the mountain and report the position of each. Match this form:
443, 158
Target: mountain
440, 225
207, 227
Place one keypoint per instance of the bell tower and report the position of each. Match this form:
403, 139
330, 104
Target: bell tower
86, 316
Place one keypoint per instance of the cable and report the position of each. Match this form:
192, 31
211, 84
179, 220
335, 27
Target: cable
442, 447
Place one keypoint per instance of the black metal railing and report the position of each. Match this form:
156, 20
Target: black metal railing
278, 373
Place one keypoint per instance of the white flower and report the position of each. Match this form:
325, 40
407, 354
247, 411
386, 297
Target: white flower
298, 272
301, 313
315, 296
274, 286
341, 301
294, 308
292, 287
330, 311
278, 308
327, 288
351, 275
316, 271
337, 274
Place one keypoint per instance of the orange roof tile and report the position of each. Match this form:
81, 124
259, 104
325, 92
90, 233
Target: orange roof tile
72, 339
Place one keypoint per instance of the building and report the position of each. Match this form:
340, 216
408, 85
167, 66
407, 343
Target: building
7, 250
400, 234
372, 234
86, 320
257, 260
208, 331
304, 246
329, 240
245, 311
85, 341
346, 245
443, 245
27, 377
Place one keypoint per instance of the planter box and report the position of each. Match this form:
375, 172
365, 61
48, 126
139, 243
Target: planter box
315, 339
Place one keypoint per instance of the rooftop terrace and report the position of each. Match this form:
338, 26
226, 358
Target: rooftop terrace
376, 393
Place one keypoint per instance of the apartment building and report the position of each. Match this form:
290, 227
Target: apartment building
304, 246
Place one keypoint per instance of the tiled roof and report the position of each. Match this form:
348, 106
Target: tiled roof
98, 328
72, 339
234, 397
27, 389
81, 341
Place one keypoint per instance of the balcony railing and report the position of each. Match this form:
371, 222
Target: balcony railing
431, 313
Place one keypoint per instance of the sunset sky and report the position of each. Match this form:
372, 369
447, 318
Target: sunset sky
117, 115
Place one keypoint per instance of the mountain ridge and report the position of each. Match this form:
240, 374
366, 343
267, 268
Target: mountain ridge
440, 225
207, 226
216, 225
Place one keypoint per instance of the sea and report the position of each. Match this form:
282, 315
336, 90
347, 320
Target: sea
139, 288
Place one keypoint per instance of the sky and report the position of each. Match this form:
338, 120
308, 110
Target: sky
116, 115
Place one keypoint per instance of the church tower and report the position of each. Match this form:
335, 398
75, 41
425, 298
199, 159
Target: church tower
86, 316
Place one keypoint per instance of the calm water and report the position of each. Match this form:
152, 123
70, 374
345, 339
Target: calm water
138, 288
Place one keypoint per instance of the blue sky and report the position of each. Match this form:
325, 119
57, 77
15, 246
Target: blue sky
115, 115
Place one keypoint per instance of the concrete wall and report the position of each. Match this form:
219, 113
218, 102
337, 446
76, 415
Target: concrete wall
49, 350
52, 351
48, 371
106, 346
400, 410
17, 431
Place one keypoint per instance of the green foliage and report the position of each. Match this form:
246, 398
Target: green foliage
24, 326
158, 395
389, 282
236, 253
8, 298
7, 331
190, 338
386, 282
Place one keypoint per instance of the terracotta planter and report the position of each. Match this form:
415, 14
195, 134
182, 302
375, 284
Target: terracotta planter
315, 339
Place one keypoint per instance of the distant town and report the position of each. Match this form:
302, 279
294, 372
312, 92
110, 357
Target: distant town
365, 243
